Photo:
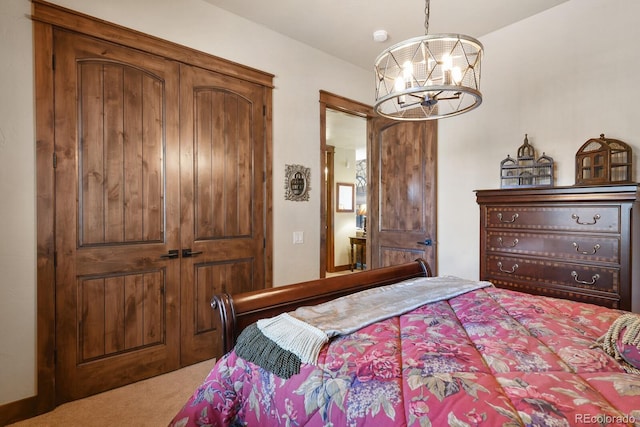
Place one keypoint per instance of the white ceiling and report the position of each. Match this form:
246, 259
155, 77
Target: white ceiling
344, 28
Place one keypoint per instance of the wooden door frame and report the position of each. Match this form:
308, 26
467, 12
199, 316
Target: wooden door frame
329, 154
46, 17
338, 103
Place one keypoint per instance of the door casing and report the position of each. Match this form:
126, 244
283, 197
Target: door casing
404, 248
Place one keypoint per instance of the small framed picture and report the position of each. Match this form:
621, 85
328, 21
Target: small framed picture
345, 197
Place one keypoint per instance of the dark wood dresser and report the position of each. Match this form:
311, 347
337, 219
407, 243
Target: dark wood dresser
569, 242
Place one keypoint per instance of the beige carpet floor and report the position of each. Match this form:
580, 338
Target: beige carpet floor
151, 402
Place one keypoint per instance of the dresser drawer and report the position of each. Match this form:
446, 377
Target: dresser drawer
581, 218
550, 273
599, 298
599, 248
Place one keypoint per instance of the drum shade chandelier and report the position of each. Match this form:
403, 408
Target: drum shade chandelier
428, 77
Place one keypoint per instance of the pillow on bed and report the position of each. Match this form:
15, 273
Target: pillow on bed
622, 341
629, 352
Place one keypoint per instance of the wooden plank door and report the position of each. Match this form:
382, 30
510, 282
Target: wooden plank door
402, 196
223, 176
117, 215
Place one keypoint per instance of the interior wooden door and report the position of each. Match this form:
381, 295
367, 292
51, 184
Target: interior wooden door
223, 174
116, 215
402, 200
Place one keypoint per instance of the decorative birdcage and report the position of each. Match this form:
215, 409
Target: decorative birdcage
526, 170
603, 161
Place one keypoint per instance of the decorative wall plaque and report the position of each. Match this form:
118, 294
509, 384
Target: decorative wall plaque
296, 183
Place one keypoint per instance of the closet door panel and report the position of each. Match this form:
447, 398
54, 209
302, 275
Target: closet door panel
121, 173
117, 296
223, 166
223, 173
210, 279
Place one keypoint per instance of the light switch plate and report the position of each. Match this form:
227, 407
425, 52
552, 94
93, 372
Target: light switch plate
298, 237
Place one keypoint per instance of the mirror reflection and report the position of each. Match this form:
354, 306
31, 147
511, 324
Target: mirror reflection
346, 136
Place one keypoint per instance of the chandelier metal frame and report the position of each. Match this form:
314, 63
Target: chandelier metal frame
429, 77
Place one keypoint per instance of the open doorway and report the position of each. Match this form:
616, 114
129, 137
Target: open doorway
344, 140
400, 190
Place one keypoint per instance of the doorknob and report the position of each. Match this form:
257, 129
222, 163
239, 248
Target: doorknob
426, 242
173, 253
186, 253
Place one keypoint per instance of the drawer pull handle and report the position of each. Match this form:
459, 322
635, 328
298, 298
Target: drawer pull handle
594, 279
513, 269
515, 242
595, 249
513, 218
596, 217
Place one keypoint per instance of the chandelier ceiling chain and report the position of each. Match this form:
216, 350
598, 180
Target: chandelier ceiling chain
427, 7
429, 77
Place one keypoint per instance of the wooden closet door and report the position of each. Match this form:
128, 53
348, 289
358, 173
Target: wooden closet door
117, 215
223, 172
402, 214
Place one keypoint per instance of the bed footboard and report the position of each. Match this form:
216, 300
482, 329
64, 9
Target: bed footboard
239, 311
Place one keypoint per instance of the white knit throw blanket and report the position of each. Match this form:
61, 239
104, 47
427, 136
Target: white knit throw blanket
304, 331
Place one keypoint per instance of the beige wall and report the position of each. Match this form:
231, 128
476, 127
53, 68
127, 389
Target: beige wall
553, 76
563, 76
17, 204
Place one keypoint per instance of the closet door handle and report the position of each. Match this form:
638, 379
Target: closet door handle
173, 253
186, 253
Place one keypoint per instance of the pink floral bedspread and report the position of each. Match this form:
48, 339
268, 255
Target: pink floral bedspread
491, 357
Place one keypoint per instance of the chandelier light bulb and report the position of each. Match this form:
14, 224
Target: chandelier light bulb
399, 86
407, 69
407, 74
456, 75
447, 62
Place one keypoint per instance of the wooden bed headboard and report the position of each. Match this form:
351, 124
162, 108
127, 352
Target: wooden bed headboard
239, 311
